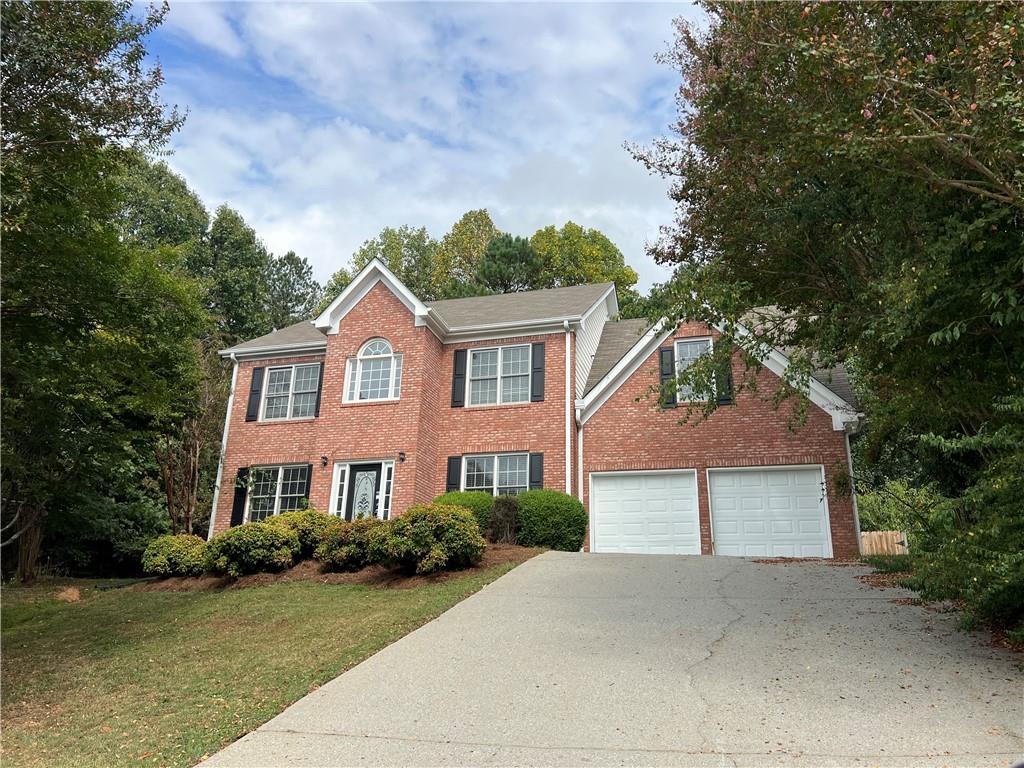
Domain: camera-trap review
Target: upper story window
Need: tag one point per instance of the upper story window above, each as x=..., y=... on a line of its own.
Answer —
x=374, y=374
x=499, y=375
x=290, y=391
x=687, y=353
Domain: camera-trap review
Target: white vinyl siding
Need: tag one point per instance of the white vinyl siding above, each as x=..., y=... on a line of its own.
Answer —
x=499, y=375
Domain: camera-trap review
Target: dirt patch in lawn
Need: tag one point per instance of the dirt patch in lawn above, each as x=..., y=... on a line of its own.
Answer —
x=311, y=570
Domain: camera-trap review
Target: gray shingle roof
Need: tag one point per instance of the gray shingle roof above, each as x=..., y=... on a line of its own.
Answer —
x=303, y=332
x=519, y=307
x=617, y=338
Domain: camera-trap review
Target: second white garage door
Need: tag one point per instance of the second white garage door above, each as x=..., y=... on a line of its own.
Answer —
x=772, y=512
x=645, y=512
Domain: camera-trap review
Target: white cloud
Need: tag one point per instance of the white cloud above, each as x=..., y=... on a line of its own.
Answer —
x=416, y=113
x=205, y=24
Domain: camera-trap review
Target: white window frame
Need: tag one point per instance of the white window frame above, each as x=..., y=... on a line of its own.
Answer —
x=501, y=354
x=497, y=457
x=354, y=374
x=339, y=487
x=291, y=391
x=277, y=490
x=680, y=397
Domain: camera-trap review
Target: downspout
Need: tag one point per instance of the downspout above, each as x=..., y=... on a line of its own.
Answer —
x=223, y=446
x=579, y=454
x=568, y=409
x=853, y=492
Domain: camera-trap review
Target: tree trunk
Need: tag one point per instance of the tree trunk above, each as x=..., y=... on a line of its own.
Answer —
x=28, y=551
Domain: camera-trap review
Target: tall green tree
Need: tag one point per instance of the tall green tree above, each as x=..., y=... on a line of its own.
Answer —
x=460, y=251
x=339, y=282
x=857, y=169
x=509, y=264
x=574, y=255
x=94, y=328
x=292, y=292
x=409, y=253
x=236, y=271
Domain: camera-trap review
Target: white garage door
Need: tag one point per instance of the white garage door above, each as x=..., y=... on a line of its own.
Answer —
x=769, y=513
x=645, y=512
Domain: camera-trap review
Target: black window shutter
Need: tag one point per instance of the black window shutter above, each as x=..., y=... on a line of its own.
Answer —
x=241, y=491
x=319, y=391
x=309, y=482
x=723, y=386
x=667, y=356
x=252, y=411
x=536, y=470
x=537, y=373
x=454, y=481
x=459, y=379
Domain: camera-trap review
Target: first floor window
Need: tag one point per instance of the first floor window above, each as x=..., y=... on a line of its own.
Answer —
x=687, y=353
x=273, y=490
x=291, y=392
x=499, y=375
x=501, y=474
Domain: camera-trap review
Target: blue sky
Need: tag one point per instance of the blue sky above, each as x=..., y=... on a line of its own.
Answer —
x=324, y=123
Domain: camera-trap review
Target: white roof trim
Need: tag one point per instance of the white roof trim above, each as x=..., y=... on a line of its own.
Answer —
x=373, y=273
x=844, y=416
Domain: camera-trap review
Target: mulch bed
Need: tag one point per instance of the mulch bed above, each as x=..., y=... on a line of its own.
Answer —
x=796, y=560
x=310, y=570
x=882, y=580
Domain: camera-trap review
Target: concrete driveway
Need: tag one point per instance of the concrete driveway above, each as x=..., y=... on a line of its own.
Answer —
x=649, y=660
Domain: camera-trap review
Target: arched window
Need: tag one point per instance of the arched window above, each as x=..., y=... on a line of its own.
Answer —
x=374, y=374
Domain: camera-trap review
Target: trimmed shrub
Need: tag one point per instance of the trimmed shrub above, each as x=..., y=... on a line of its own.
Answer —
x=551, y=519
x=311, y=527
x=504, y=520
x=477, y=502
x=346, y=546
x=253, y=548
x=181, y=555
x=429, y=538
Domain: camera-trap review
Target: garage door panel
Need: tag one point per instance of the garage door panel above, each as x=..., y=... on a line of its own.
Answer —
x=769, y=512
x=654, y=513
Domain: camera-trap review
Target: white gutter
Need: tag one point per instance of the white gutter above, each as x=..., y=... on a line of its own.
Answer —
x=568, y=409
x=307, y=348
x=223, y=447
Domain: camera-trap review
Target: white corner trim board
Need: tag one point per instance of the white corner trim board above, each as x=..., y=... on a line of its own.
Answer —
x=223, y=447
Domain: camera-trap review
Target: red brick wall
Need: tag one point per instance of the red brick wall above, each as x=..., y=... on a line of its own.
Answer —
x=626, y=434
x=421, y=423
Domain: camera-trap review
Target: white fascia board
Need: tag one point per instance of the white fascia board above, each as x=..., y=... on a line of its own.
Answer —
x=507, y=330
x=844, y=416
x=607, y=298
x=280, y=350
x=373, y=273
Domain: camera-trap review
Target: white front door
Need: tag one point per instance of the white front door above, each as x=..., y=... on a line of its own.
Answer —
x=645, y=512
x=769, y=512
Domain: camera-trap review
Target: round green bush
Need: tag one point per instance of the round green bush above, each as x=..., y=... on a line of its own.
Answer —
x=346, y=546
x=253, y=548
x=311, y=527
x=181, y=555
x=551, y=519
x=429, y=538
x=477, y=502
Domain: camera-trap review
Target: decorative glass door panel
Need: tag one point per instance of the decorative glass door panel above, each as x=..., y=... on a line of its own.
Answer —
x=363, y=491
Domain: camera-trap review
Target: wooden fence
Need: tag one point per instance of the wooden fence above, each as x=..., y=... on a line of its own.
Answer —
x=883, y=543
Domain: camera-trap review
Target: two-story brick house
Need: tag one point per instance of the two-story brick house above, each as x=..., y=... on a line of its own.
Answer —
x=384, y=401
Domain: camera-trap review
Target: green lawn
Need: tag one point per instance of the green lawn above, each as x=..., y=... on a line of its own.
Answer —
x=162, y=678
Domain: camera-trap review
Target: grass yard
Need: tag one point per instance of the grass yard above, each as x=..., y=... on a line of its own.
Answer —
x=162, y=678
